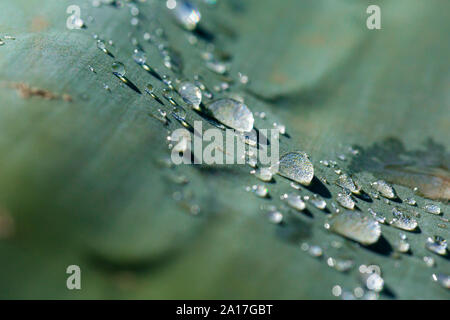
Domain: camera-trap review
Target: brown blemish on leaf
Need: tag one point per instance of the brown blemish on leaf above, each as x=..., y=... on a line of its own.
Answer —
x=26, y=92
x=38, y=24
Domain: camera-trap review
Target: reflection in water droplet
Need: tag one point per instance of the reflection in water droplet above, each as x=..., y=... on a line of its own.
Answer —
x=353, y=225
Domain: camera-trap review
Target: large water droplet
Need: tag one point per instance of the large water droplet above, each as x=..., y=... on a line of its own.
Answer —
x=353, y=225
x=232, y=113
x=297, y=167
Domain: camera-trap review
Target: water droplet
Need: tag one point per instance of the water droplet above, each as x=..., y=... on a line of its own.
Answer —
x=371, y=277
x=384, y=188
x=410, y=201
x=336, y=291
x=429, y=261
x=294, y=201
x=1, y=42
x=318, y=202
x=437, y=245
x=260, y=190
x=346, y=182
x=442, y=279
x=242, y=78
x=345, y=200
x=401, y=245
x=106, y=87
x=315, y=251
x=274, y=215
x=264, y=174
x=102, y=46
x=353, y=225
x=432, y=208
x=139, y=56
x=232, y=113
x=191, y=94
x=377, y=216
x=118, y=69
x=341, y=265
x=402, y=221
x=217, y=66
x=7, y=37
x=91, y=68
x=186, y=14
x=296, y=166
x=280, y=127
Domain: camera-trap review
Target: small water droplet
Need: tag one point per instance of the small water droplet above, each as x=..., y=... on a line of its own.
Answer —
x=294, y=201
x=432, y=208
x=371, y=277
x=429, y=261
x=442, y=279
x=280, y=127
x=341, y=265
x=377, y=216
x=102, y=46
x=437, y=245
x=264, y=174
x=410, y=201
x=118, y=68
x=345, y=200
x=217, y=66
x=139, y=57
x=384, y=188
x=346, y=182
x=186, y=14
x=191, y=94
x=260, y=190
x=318, y=202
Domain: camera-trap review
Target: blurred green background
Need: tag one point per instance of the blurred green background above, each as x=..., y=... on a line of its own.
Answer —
x=81, y=180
